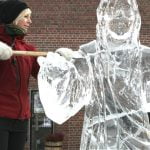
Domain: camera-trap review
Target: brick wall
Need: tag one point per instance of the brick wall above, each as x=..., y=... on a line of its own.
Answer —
x=144, y=7
x=62, y=23
x=70, y=23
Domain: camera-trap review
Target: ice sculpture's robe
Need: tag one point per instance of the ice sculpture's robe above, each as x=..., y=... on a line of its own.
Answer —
x=110, y=91
x=114, y=118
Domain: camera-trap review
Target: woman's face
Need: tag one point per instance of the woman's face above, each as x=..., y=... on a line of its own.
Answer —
x=24, y=19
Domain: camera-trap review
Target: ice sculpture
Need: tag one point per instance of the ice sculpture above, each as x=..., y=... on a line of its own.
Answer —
x=110, y=76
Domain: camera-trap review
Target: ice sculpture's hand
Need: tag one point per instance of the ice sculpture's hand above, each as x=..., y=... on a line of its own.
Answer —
x=66, y=53
x=5, y=51
x=53, y=59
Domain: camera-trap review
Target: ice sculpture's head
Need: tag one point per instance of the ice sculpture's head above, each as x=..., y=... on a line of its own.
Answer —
x=118, y=23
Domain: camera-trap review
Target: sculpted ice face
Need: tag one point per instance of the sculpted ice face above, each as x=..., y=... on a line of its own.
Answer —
x=118, y=23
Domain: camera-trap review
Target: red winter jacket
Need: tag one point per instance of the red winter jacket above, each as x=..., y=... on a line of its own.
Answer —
x=14, y=79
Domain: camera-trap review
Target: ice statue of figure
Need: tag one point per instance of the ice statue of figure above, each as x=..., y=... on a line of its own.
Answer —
x=110, y=76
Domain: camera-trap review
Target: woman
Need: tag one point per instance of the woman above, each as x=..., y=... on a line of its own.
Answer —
x=15, y=19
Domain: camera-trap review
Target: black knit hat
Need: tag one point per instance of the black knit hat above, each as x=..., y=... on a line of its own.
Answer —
x=10, y=9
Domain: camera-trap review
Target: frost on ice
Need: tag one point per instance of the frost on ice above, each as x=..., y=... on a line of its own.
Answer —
x=110, y=76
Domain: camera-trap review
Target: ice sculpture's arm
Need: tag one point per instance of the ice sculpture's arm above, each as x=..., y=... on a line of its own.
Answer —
x=64, y=86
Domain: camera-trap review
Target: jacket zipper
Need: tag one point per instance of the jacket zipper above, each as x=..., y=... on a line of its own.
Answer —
x=16, y=66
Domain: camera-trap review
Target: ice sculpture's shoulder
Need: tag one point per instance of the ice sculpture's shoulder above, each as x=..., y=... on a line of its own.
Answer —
x=145, y=50
x=88, y=47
